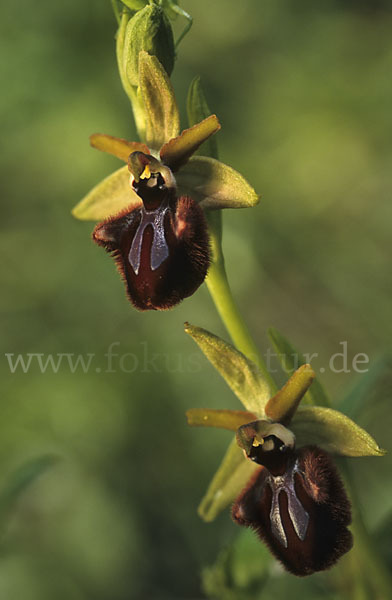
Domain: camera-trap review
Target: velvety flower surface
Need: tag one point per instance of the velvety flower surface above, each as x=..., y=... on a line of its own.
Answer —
x=297, y=504
x=279, y=471
x=161, y=248
x=151, y=210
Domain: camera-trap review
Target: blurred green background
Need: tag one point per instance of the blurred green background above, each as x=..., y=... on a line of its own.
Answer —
x=304, y=93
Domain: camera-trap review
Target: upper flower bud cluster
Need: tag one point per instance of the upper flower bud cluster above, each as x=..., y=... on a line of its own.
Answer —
x=150, y=30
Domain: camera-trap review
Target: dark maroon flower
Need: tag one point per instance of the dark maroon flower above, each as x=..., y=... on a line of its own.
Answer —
x=153, y=224
x=283, y=484
x=161, y=247
x=297, y=504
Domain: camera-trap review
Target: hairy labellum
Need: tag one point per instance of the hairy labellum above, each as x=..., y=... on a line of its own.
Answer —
x=299, y=507
x=162, y=247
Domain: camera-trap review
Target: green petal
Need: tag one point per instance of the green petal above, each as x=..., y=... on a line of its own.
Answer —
x=214, y=184
x=333, y=431
x=112, y=195
x=223, y=419
x=283, y=405
x=178, y=150
x=157, y=94
x=117, y=146
x=230, y=479
x=198, y=109
x=241, y=374
x=290, y=360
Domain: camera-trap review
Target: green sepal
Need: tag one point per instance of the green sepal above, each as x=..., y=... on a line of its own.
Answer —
x=197, y=109
x=332, y=431
x=222, y=419
x=160, y=106
x=290, y=360
x=215, y=185
x=116, y=146
x=178, y=150
x=229, y=480
x=109, y=197
x=283, y=405
x=120, y=40
x=150, y=30
x=241, y=374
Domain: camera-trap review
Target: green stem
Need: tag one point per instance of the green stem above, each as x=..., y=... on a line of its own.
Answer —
x=116, y=11
x=225, y=304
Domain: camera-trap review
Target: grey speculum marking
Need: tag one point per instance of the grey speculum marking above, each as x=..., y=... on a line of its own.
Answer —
x=298, y=515
x=159, y=248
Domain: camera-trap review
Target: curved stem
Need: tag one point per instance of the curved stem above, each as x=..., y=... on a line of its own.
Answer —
x=225, y=304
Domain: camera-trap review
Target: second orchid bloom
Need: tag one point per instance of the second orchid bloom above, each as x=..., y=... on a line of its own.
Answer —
x=152, y=210
x=279, y=471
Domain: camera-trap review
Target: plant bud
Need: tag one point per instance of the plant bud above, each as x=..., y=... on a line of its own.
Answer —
x=150, y=30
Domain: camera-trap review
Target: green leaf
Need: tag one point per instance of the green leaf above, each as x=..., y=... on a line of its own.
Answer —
x=157, y=94
x=173, y=10
x=215, y=185
x=332, y=431
x=290, y=360
x=223, y=419
x=198, y=109
x=20, y=479
x=283, y=405
x=241, y=374
x=365, y=386
x=230, y=479
x=178, y=150
x=112, y=195
x=116, y=146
